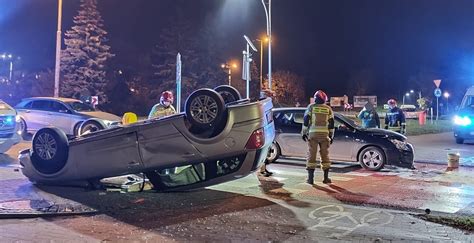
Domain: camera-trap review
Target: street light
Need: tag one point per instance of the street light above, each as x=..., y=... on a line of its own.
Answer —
x=58, y=50
x=412, y=91
x=261, y=58
x=229, y=70
x=268, y=14
x=446, y=95
x=406, y=95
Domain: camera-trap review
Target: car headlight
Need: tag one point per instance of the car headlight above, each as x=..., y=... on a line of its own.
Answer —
x=401, y=145
x=462, y=121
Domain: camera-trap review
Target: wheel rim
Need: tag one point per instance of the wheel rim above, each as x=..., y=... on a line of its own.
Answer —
x=372, y=159
x=273, y=152
x=204, y=109
x=22, y=127
x=46, y=146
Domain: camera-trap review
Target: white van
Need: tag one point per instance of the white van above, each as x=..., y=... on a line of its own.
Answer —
x=468, y=99
x=9, y=127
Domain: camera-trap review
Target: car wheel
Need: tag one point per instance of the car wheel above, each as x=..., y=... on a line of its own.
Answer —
x=228, y=93
x=50, y=150
x=89, y=127
x=459, y=140
x=204, y=109
x=273, y=153
x=23, y=129
x=372, y=158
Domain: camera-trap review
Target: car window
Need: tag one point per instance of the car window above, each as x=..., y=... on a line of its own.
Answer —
x=57, y=107
x=43, y=105
x=80, y=106
x=24, y=104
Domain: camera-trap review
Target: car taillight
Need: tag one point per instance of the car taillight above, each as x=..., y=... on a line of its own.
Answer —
x=256, y=140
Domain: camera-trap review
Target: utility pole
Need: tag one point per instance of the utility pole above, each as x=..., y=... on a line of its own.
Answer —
x=57, y=68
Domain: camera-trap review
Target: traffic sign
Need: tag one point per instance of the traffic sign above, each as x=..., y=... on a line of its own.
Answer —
x=437, y=92
x=437, y=82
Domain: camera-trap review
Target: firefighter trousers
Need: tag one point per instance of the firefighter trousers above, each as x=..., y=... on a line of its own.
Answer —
x=322, y=142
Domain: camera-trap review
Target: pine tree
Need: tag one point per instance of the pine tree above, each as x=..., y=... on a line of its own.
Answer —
x=85, y=57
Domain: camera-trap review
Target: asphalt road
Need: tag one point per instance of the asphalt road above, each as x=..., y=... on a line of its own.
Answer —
x=359, y=206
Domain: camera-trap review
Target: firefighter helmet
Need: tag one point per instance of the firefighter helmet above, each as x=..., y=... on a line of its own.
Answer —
x=392, y=102
x=166, y=96
x=320, y=97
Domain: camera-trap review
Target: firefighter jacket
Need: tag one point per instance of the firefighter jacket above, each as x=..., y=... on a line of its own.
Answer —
x=160, y=111
x=319, y=119
x=395, y=119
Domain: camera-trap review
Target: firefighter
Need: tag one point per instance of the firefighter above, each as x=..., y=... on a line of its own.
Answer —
x=164, y=108
x=395, y=118
x=318, y=131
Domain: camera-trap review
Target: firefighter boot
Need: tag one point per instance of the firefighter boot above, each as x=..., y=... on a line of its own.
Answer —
x=310, y=179
x=326, y=177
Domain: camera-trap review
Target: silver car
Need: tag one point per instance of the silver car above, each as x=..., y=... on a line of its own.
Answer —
x=217, y=139
x=9, y=127
x=63, y=113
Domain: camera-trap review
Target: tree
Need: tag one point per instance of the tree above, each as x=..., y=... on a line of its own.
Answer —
x=288, y=88
x=83, y=62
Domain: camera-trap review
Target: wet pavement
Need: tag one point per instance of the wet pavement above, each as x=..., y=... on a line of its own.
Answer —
x=434, y=148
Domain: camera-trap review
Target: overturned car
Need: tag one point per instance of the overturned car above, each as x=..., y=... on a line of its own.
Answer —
x=219, y=137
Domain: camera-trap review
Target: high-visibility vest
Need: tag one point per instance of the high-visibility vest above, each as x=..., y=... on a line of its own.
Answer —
x=319, y=115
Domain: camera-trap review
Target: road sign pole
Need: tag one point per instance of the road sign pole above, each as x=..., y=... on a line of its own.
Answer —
x=437, y=108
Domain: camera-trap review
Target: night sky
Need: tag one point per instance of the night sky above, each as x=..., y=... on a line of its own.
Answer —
x=327, y=41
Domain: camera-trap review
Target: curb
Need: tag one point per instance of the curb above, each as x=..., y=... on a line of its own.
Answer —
x=440, y=163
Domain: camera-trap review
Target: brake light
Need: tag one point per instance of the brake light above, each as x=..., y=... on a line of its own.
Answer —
x=256, y=140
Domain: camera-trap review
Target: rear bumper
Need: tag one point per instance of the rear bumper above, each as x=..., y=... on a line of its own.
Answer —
x=7, y=143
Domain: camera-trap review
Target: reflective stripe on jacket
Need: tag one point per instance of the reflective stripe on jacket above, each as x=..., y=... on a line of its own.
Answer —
x=319, y=118
x=159, y=111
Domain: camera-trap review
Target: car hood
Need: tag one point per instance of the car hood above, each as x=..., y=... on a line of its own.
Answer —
x=7, y=113
x=384, y=133
x=101, y=115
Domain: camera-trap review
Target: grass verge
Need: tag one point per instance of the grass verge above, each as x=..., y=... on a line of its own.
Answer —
x=460, y=222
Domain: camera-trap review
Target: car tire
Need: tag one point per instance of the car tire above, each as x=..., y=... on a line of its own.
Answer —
x=459, y=140
x=273, y=153
x=90, y=126
x=372, y=158
x=229, y=94
x=23, y=129
x=204, y=109
x=50, y=150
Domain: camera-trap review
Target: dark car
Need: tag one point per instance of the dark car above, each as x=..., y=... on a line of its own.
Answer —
x=372, y=148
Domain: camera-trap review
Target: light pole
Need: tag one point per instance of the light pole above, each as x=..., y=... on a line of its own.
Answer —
x=446, y=95
x=406, y=95
x=229, y=70
x=261, y=58
x=268, y=14
x=9, y=57
x=58, y=50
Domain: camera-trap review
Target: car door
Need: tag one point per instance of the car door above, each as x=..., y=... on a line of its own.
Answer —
x=289, y=132
x=38, y=116
x=61, y=117
x=343, y=144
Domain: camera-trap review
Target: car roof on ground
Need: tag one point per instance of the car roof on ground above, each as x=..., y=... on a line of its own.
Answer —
x=52, y=98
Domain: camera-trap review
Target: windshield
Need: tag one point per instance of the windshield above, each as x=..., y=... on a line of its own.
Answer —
x=79, y=106
x=4, y=106
x=351, y=122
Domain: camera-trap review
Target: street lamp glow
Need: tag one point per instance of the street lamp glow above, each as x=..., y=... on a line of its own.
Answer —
x=412, y=91
x=407, y=94
x=234, y=65
x=446, y=95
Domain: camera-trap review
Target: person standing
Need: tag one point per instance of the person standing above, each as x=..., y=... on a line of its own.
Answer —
x=395, y=118
x=164, y=108
x=369, y=117
x=318, y=132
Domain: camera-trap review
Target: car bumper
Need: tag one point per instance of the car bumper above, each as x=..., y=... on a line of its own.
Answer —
x=401, y=157
x=464, y=132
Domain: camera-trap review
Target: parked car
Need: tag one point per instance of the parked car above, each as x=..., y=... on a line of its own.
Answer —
x=212, y=142
x=372, y=148
x=409, y=111
x=64, y=113
x=464, y=118
x=9, y=127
